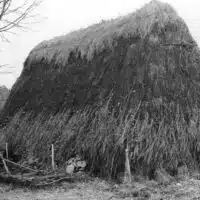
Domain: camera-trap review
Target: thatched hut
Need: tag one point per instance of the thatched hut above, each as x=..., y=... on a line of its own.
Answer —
x=134, y=79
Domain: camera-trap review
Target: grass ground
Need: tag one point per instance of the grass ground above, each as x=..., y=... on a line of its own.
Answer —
x=97, y=189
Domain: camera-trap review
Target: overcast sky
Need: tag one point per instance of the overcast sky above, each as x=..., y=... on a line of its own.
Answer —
x=62, y=16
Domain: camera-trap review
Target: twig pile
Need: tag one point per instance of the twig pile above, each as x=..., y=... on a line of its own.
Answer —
x=35, y=179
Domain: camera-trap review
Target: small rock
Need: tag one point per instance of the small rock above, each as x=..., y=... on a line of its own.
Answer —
x=70, y=169
x=75, y=164
x=31, y=161
x=81, y=164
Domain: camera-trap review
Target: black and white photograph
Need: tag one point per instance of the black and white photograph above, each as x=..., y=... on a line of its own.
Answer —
x=99, y=100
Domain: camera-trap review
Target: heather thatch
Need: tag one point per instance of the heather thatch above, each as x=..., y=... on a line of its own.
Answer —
x=98, y=37
x=135, y=79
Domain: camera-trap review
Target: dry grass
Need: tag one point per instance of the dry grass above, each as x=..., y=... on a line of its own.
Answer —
x=97, y=135
x=98, y=189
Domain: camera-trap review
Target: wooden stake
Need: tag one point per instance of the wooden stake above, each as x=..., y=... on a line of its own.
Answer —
x=21, y=166
x=52, y=157
x=6, y=150
x=127, y=166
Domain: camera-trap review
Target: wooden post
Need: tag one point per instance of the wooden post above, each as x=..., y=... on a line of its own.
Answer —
x=127, y=177
x=6, y=150
x=52, y=157
x=127, y=174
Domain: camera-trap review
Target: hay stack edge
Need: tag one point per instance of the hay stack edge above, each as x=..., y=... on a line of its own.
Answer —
x=133, y=80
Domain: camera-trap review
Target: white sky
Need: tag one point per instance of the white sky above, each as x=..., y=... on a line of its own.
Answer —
x=62, y=16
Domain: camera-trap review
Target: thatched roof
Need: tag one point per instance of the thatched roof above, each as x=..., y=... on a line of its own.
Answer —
x=100, y=36
x=141, y=51
x=86, y=65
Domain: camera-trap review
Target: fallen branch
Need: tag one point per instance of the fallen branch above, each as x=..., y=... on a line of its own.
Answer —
x=4, y=164
x=51, y=176
x=22, y=166
x=68, y=179
x=34, y=182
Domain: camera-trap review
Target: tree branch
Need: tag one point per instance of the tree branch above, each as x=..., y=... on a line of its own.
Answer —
x=15, y=16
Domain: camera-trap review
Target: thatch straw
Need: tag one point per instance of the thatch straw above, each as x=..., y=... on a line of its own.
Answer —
x=100, y=36
x=97, y=137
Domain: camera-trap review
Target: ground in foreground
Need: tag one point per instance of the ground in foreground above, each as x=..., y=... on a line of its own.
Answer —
x=97, y=189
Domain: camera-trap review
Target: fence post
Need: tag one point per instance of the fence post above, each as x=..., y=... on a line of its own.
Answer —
x=6, y=150
x=128, y=176
x=52, y=157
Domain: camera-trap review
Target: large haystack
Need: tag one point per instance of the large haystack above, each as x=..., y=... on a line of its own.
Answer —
x=135, y=79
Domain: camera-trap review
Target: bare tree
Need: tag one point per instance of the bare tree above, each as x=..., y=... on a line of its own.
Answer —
x=16, y=14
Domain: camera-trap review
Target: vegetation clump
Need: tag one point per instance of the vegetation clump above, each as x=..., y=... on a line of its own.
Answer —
x=4, y=92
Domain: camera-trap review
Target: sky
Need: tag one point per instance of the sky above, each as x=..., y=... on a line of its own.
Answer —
x=64, y=16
